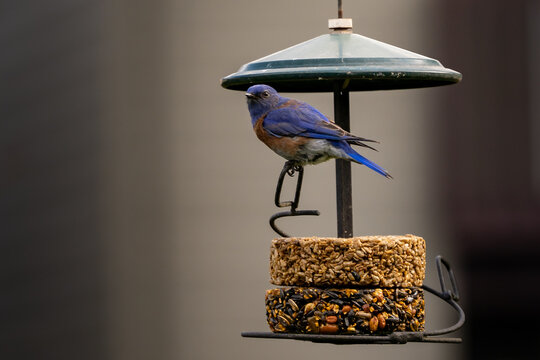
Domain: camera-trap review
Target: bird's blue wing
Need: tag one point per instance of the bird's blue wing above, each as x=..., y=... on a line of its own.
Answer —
x=295, y=118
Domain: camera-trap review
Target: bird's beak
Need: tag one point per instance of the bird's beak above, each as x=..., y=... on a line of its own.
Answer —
x=250, y=96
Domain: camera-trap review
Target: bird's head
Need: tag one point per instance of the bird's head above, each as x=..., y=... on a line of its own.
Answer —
x=261, y=99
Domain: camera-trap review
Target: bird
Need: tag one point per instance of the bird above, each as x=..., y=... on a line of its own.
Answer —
x=300, y=133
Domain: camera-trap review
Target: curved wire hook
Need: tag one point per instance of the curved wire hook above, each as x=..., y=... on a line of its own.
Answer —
x=290, y=168
x=451, y=296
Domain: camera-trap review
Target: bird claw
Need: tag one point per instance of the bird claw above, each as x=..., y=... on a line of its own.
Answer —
x=292, y=167
x=291, y=171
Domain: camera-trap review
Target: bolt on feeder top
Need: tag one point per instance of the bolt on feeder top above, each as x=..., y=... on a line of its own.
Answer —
x=360, y=63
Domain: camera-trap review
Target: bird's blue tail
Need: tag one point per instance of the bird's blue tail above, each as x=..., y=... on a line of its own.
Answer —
x=356, y=157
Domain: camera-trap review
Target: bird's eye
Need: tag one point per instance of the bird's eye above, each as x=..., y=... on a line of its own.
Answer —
x=265, y=93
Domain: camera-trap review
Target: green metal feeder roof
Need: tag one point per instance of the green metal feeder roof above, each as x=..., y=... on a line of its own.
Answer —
x=354, y=61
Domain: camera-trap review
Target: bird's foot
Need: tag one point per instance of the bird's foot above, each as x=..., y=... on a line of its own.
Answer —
x=292, y=167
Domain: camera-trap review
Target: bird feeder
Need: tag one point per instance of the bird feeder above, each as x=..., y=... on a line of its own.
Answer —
x=341, y=62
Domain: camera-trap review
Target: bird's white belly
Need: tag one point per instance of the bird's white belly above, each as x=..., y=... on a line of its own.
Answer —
x=315, y=151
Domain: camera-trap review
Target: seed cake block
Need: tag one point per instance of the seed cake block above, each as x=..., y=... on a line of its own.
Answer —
x=372, y=311
x=375, y=261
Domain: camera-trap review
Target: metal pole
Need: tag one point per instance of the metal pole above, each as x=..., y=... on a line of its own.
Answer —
x=343, y=168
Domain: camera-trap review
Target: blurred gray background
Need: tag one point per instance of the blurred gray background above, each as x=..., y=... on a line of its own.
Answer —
x=135, y=195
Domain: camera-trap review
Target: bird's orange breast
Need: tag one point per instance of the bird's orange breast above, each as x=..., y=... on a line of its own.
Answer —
x=284, y=146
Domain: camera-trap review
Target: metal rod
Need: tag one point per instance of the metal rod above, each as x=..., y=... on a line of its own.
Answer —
x=393, y=338
x=343, y=168
x=340, y=10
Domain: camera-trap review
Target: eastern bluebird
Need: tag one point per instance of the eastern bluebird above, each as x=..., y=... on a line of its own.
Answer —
x=299, y=132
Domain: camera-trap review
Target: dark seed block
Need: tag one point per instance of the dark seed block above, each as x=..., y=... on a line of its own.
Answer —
x=345, y=311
